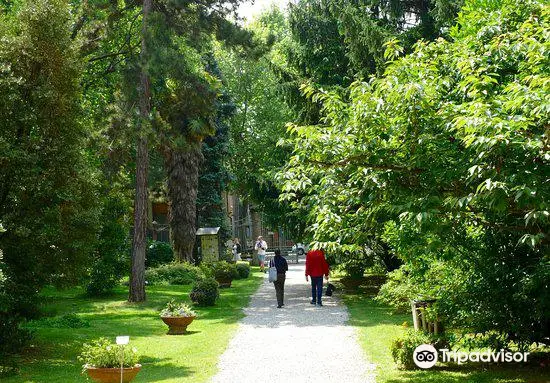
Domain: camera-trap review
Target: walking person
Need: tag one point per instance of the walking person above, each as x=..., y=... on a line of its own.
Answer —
x=237, y=250
x=261, y=247
x=281, y=265
x=316, y=267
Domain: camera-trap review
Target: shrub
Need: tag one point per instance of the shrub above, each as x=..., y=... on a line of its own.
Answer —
x=243, y=269
x=354, y=265
x=102, y=353
x=175, y=273
x=158, y=253
x=111, y=255
x=402, y=348
x=205, y=292
x=398, y=291
x=12, y=337
x=223, y=271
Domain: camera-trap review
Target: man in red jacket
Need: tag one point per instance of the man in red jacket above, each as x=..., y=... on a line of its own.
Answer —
x=316, y=267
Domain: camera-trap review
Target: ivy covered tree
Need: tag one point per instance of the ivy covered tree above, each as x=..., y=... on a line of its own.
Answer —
x=446, y=158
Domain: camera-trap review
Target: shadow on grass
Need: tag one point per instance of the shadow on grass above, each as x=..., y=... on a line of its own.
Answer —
x=52, y=357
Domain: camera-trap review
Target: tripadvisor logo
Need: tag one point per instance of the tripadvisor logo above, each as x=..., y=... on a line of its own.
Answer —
x=426, y=356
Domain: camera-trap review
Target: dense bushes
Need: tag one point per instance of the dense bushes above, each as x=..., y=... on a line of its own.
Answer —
x=243, y=269
x=205, y=292
x=398, y=291
x=158, y=253
x=221, y=270
x=175, y=273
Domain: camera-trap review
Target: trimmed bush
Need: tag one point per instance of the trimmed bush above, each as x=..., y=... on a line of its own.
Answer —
x=205, y=292
x=174, y=273
x=222, y=271
x=158, y=253
x=243, y=269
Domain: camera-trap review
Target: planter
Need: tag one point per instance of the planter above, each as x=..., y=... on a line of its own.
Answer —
x=112, y=375
x=224, y=283
x=177, y=325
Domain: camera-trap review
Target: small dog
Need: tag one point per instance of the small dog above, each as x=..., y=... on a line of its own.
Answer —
x=330, y=289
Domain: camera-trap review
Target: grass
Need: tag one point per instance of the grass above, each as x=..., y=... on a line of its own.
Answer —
x=187, y=358
x=377, y=328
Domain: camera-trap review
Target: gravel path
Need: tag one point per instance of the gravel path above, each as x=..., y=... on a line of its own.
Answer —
x=298, y=343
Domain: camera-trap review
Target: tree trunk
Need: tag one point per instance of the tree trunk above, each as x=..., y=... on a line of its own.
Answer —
x=183, y=177
x=137, y=277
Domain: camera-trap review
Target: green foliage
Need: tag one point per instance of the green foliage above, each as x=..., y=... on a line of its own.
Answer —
x=258, y=121
x=398, y=291
x=111, y=256
x=402, y=348
x=158, y=253
x=70, y=320
x=102, y=353
x=214, y=174
x=176, y=273
x=12, y=337
x=221, y=270
x=174, y=309
x=445, y=159
x=354, y=264
x=205, y=292
x=243, y=269
x=48, y=182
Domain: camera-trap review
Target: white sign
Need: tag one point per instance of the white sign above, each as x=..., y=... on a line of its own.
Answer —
x=122, y=339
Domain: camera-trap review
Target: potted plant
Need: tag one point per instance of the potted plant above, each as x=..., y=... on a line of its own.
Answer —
x=102, y=361
x=177, y=317
x=224, y=273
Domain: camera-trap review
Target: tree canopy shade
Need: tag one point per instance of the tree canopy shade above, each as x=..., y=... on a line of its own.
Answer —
x=447, y=156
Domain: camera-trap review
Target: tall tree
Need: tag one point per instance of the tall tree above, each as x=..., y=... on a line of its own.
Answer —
x=185, y=101
x=446, y=158
x=48, y=185
x=141, y=201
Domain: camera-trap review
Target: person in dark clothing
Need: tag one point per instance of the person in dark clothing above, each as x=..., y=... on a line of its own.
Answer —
x=282, y=267
x=316, y=267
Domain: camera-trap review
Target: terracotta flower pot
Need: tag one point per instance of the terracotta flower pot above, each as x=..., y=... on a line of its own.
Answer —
x=224, y=282
x=177, y=325
x=112, y=375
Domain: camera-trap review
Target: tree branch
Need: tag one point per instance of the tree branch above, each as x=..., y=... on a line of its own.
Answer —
x=359, y=161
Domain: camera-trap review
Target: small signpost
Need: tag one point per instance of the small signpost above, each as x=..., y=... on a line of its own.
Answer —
x=122, y=341
x=210, y=243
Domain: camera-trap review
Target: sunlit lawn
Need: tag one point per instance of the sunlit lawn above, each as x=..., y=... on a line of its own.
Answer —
x=378, y=327
x=165, y=358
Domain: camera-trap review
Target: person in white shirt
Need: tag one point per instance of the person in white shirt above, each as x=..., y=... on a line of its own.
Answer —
x=237, y=250
x=261, y=247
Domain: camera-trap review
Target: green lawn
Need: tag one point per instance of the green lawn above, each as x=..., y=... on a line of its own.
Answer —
x=165, y=358
x=378, y=327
